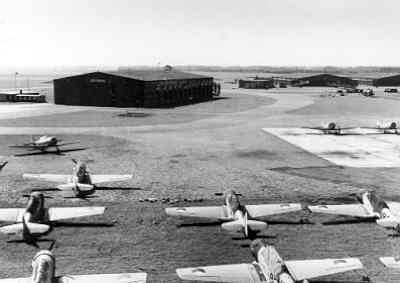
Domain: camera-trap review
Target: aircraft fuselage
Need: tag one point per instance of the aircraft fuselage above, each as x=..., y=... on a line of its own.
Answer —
x=43, y=267
x=43, y=142
x=269, y=265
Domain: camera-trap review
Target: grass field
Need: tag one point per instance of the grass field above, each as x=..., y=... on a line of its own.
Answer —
x=218, y=147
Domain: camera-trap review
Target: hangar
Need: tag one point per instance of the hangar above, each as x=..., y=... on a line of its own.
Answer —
x=133, y=88
x=325, y=80
x=387, y=81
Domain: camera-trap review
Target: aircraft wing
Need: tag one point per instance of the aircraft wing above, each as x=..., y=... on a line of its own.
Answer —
x=394, y=207
x=97, y=179
x=390, y=262
x=48, y=177
x=11, y=214
x=213, y=212
x=58, y=213
x=308, y=269
x=271, y=209
x=233, y=273
x=356, y=210
x=313, y=128
x=16, y=280
x=103, y=278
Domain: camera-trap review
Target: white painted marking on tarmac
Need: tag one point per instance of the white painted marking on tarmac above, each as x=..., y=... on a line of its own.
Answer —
x=365, y=149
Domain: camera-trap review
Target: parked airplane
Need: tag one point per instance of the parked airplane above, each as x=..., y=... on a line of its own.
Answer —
x=330, y=128
x=239, y=217
x=43, y=143
x=270, y=267
x=387, y=127
x=35, y=220
x=44, y=271
x=81, y=183
x=371, y=207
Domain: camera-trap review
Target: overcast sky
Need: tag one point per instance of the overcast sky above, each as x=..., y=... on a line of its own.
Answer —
x=207, y=32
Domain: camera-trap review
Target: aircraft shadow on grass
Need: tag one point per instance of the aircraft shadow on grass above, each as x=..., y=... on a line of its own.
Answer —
x=60, y=152
x=200, y=224
x=33, y=243
x=349, y=221
x=118, y=188
x=89, y=196
x=83, y=224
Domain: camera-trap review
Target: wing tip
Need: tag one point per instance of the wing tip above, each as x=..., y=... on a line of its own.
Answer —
x=390, y=261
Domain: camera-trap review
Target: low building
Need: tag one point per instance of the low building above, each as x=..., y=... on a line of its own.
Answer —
x=133, y=88
x=256, y=83
x=326, y=80
x=21, y=96
x=387, y=81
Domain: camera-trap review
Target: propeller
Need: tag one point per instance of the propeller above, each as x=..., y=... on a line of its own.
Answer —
x=52, y=245
x=3, y=164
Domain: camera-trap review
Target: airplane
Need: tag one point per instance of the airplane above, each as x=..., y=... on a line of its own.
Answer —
x=370, y=207
x=237, y=217
x=269, y=267
x=42, y=143
x=81, y=182
x=387, y=127
x=36, y=220
x=44, y=271
x=330, y=128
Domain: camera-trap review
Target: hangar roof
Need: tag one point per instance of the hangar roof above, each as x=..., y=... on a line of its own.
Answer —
x=148, y=75
x=158, y=75
x=323, y=75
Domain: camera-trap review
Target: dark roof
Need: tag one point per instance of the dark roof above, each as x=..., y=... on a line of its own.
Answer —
x=158, y=75
x=148, y=75
x=323, y=76
x=389, y=77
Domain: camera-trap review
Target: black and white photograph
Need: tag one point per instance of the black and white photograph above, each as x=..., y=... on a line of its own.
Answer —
x=199, y=141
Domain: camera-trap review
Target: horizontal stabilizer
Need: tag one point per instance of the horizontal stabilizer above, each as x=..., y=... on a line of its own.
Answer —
x=233, y=226
x=238, y=226
x=70, y=186
x=17, y=229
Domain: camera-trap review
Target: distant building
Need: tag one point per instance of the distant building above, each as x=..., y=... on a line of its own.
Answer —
x=387, y=81
x=325, y=80
x=133, y=88
x=256, y=83
x=27, y=96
